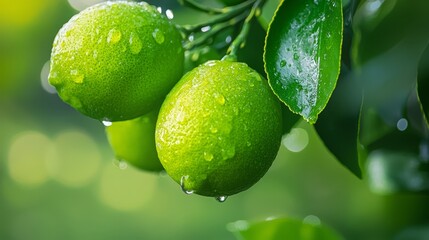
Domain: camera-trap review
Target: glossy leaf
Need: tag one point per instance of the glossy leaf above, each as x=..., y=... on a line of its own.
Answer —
x=423, y=84
x=284, y=228
x=302, y=54
x=338, y=124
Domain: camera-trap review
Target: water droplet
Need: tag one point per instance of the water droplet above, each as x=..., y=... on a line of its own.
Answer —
x=76, y=76
x=228, y=39
x=135, y=43
x=208, y=156
x=219, y=98
x=183, y=179
x=159, y=9
x=213, y=129
x=221, y=198
x=169, y=14
x=402, y=124
x=295, y=56
x=243, y=44
x=106, y=123
x=230, y=152
x=121, y=164
x=75, y=102
x=114, y=36
x=282, y=63
x=205, y=29
x=210, y=63
x=158, y=36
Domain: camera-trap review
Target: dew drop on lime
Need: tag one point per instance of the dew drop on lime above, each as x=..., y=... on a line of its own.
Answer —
x=208, y=156
x=135, y=43
x=183, y=180
x=282, y=63
x=106, y=123
x=213, y=129
x=158, y=36
x=219, y=98
x=114, y=36
x=75, y=102
x=76, y=76
x=221, y=198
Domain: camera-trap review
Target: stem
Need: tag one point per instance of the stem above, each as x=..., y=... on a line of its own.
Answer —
x=214, y=31
x=241, y=38
x=223, y=15
x=200, y=7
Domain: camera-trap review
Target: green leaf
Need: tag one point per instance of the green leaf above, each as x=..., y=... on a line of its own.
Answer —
x=338, y=124
x=284, y=228
x=395, y=171
x=423, y=84
x=302, y=54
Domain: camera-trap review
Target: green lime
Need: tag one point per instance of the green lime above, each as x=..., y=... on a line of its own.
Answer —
x=134, y=141
x=115, y=60
x=219, y=129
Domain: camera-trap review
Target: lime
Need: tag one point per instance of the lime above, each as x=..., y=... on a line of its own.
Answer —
x=219, y=129
x=115, y=60
x=134, y=141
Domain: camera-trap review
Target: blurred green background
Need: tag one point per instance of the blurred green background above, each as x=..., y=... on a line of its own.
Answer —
x=59, y=178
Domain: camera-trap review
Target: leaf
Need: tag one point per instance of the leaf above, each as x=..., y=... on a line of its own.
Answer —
x=396, y=171
x=338, y=124
x=423, y=84
x=398, y=159
x=283, y=228
x=302, y=54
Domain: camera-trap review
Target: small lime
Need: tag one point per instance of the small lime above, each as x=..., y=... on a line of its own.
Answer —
x=134, y=141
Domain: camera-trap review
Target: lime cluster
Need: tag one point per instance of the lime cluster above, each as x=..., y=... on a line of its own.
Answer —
x=219, y=127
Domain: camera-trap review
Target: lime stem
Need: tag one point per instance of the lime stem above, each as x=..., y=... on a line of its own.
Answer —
x=223, y=15
x=214, y=31
x=200, y=7
x=240, y=40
